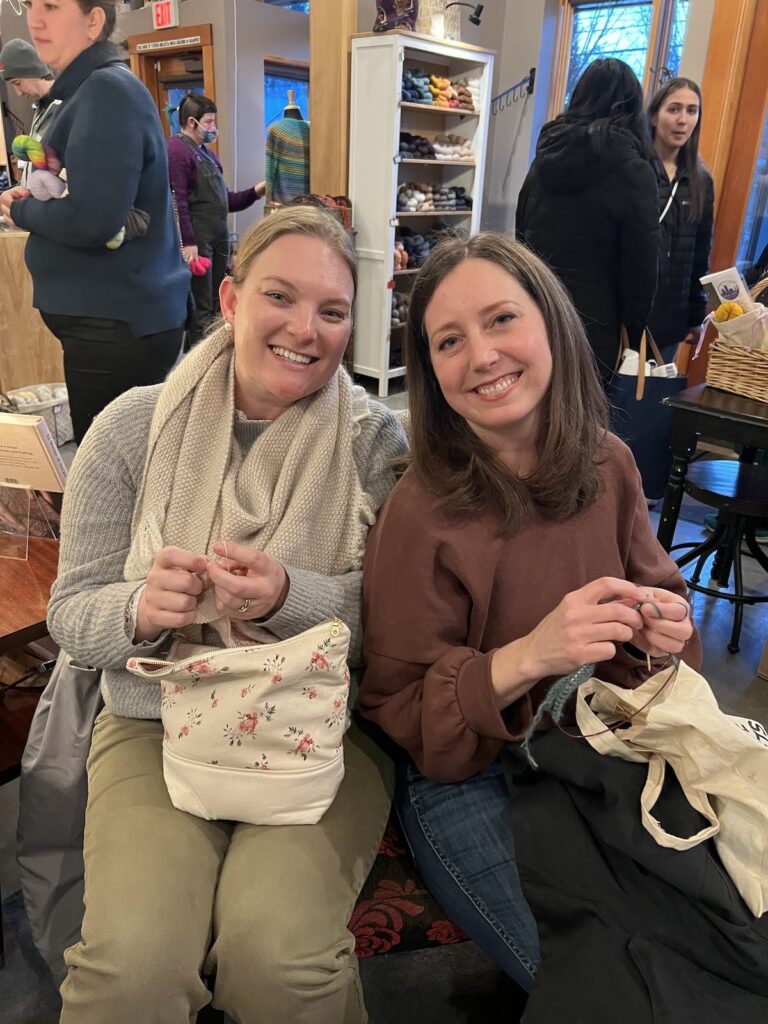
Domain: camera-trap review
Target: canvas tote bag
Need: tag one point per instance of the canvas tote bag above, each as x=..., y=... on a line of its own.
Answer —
x=255, y=733
x=720, y=761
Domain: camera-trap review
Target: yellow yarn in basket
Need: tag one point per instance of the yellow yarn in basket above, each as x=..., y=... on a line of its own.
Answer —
x=727, y=311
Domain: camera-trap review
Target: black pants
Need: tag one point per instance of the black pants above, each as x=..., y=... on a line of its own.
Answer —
x=205, y=290
x=102, y=359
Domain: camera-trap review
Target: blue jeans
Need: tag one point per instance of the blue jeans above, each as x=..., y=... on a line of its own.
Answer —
x=460, y=835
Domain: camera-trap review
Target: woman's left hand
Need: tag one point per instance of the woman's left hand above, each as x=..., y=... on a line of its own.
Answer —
x=8, y=197
x=668, y=634
x=247, y=583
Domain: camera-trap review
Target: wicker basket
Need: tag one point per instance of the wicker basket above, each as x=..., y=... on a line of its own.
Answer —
x=743, y=371
x=38, y=400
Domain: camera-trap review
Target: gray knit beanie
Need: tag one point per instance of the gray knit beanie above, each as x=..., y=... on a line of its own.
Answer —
x=19, y=59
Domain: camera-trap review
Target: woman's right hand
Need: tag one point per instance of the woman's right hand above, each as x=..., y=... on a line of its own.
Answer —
x=169, y=599
x=190, y=253
x=584, y=628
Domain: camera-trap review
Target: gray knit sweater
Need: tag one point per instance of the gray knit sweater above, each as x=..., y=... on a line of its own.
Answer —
x=90, y=614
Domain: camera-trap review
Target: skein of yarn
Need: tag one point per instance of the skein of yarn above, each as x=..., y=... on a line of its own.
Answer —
x=200, y=266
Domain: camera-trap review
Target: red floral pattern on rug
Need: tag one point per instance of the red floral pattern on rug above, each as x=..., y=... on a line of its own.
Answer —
x=395, y=911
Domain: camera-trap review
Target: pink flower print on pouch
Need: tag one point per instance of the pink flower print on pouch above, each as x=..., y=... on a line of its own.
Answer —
x=247, y=725
x=318, y=661
x=198, y=668
x=194, y=717
x=304, y=745
x=275, y=667
x=310, y=692
x=214, y=699
x=337, y=712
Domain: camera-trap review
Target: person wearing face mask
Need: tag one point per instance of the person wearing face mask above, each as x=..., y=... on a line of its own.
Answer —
x=118, y=313
x=21, y=67
x=686, y=214
x=203, y=202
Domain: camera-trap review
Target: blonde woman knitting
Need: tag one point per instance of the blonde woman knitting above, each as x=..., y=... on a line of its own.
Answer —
x=259, y=441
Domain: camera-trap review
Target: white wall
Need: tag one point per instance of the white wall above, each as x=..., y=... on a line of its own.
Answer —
x=696, y=42
x=513, y=129
x=260, y=31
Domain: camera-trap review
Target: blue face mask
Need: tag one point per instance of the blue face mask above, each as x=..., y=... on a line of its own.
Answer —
x=209, y=134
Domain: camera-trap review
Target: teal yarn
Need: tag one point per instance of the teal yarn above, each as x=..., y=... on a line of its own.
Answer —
x=554, y=703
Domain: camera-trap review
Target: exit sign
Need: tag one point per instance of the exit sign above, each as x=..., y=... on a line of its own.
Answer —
x=165, y=13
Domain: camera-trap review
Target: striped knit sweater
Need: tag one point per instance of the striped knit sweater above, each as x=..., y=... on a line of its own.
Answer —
x=287, y=170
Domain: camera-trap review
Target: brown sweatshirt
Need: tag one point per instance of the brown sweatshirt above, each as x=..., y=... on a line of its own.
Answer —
x=439, y=597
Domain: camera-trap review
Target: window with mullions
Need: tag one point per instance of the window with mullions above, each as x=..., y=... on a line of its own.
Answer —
x=646, y=34
x=679, y=23
x=620, y=29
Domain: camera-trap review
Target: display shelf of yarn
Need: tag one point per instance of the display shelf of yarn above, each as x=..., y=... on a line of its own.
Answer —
x=426, y=149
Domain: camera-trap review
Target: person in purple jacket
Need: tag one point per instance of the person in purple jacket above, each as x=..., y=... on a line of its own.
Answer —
x=203, y=202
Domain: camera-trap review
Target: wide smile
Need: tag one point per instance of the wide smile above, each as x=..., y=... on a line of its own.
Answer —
x=291, y=358
x=493, y=390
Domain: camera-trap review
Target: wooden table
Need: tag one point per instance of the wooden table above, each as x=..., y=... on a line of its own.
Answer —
x=25, y=588
x=706, y=412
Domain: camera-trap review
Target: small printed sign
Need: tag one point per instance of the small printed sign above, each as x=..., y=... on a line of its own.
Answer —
x=165, y=14
x=169, y=44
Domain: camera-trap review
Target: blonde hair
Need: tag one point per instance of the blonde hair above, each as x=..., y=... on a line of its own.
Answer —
x=295, y=220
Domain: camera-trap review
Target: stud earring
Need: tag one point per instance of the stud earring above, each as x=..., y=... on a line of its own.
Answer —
x=228, y=326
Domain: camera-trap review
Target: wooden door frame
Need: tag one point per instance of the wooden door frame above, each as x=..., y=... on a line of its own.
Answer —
x=735, y=99
x=144, y=50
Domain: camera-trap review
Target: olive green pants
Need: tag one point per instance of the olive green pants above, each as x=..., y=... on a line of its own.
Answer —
x=261, y=911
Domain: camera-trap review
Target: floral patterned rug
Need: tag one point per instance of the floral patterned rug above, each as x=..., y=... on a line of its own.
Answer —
x=395, y=911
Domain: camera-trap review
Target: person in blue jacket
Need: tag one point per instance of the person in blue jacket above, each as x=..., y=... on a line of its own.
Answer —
x=118, y=312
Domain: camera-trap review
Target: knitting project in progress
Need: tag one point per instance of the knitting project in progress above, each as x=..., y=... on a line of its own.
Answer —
x=561, y=692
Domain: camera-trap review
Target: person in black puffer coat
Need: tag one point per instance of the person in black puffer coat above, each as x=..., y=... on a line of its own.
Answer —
x=686, y=206
x=589, y=206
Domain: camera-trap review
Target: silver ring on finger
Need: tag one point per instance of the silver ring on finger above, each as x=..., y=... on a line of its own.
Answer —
x=245, y=605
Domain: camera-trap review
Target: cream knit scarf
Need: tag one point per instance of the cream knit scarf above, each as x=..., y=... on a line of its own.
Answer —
x=295, y=494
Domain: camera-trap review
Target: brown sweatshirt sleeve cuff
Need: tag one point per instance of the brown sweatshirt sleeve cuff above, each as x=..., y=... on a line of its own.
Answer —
x=477, y=701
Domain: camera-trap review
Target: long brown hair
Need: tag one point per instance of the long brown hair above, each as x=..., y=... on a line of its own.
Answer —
x=688, y=161
x=454, y=462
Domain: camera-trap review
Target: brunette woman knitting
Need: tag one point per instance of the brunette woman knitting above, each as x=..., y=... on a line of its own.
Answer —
x=514, y=550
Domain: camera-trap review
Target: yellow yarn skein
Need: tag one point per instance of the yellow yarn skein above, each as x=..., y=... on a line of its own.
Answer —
x=727, y=311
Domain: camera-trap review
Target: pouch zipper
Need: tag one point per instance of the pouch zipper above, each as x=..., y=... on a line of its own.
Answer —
x=334, y=625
